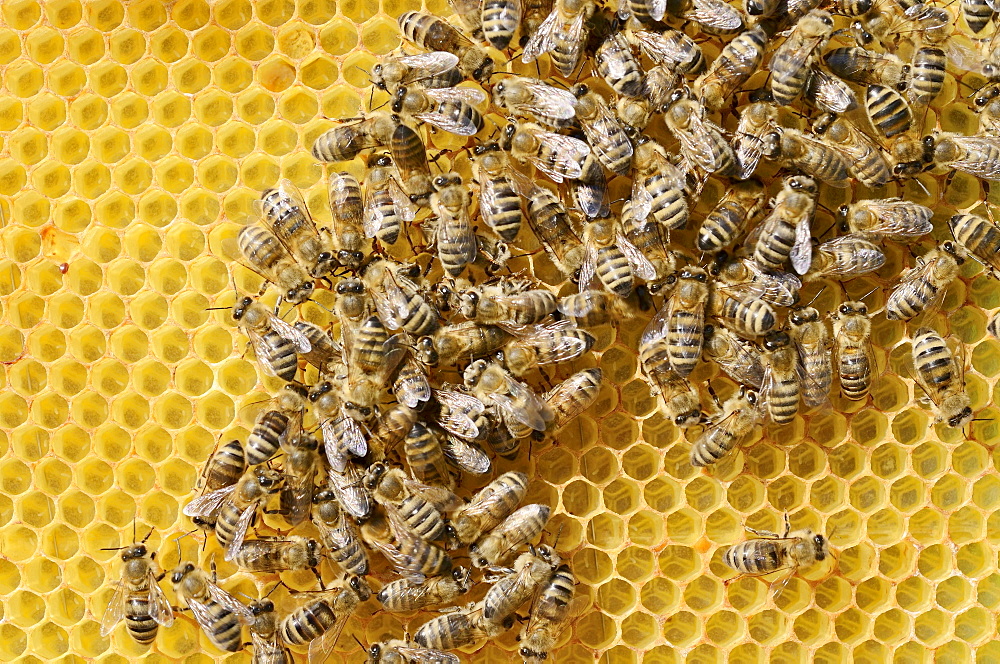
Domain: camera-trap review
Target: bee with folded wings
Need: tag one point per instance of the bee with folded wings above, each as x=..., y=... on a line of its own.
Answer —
x=284, y=210
x=740, y=415
x=771, y=553
x=320, y=620
x=138, y=597
x=560, y=157
x=387, y=208
x=450, y=109
x=702, y=142
x=220, y=615
x=613, y=259
x=562, y=35
x=517, y=403
x=681, y=321
x=274, y=341
x=437, y=69
x=786, y=232
x=548, y=105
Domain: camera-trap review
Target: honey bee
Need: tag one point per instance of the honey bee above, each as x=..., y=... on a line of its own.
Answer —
x=729, y=218
x=744, y=278
x=615, y=63
x=573, y=396
x=562, y=35
x=499, y=545
x=927, y=74
x=500, y=19
x=739, y=417
x=418, y=504
x=273, y=555
x=978, y=14
x=301, y=464
x=657, y=187
x=521, y=95
x=451, y=109
x=551, y=224
x=702, y=142
x=396, y=651
x=785, y=233
x=138, y=597
x=864, y=158
x=865, y=67
x=887, y=110
x=425, y=457
x=845, y=257
x=344, y=142
x=604, y=132
x=494, y=305
x=493, y=385
x=455, y=239
x=613, y=259
x=713, y=16
x=634, y=114
x=409, y=595
x=225, y=467
x=469, y=15
x=549, y=616
x=680, y=400
x=342, y=435
x=452, y=343
x=852, y=330
x=266, y=255
x=671, y=48
x=220, y=615
x=410, y=155
x=774, y=553
x=267, y=645
x=435, y=34
x=790, y=64
x=812, y=340
x=387, y=207
x=438, y=69
x=682, y=321
x=531, y=569
x=560, y=157
x=757, y=121
x=737, y=62
x=942, y=377
x=487, y=509
x=408, y=553
x=353, y=302
x=922, y=287
x=743, y=310
x=740, y=359
x=829, y=94
x=323, y=352
x=459, y=628
x=801, y=151
x=546, y=343
x=319, y=621
x=398, y=301
x=782, y=384
x=590, y=308
x=534, y=13
x=975, y=155
x=372, y=356
x=274, y=341
x=284, y=211
x=979, y=236
x=499, y=201
x=347, y=211
x=338, y=534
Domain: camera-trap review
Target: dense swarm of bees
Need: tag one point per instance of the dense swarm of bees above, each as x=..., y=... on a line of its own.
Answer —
x=430, y=311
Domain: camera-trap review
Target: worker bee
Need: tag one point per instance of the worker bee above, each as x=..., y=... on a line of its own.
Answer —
x=746, y=279
x=284, y=211
x=347, y=211
x=790, y=64
x=488, y=508
x=398, y=301
x=727, y=221
x=740, y=359
x=887, y=110
x=590, y=308
x=342, y=435
x=845, y=257
x=605, y=134
x=613, y=259
x=737, y=62
x=324, y=351
x=804, y=152
x=451, y=109
x=225, y=467
x=452, y=343
x=408, y=553
x=975, y=155
x=785, y=233
x=438, y=69
x=773, y=553
x=455, y=239
x=425, y=457
x=671, y=48
x=418, y=504
x=942, y=377
x=300, y=466
x=387, y=207
x=273, y=555
x=499, y=201
x=680, y=400
x=265, y=254
x=499, y=545
x=138, y=597
x=681, y=322
x=979, y=236
x=852, y=330
x=739, y=417
x=396, y=651
x=978, y=14
x=573, y=396
x=864, y=158
x=615, y=63
x=520, y=95
x=274, y=341
x=339, y=534
x=220, y=615
x=459, y=628
x=410, y=595
x=267, y=644
x=562, y=35
x=551, y=224
x=494, y=305
x=493, y=385
x=411, y=386
x=280, y=420
x=436, y=34
x=319, y=621
x=828, y=93
x=235, y=507
x=713, y=16
x=657, y=187
x=515, y=587
x=743, y=309
x=812, y=341
x=410, y=155
x=702, y=142
x=546, y=343
x=500, y=19
x=634, y=114
x=782, y=383
x=371, y=356
x=344, y=142
x=865, y=67
x=548, y=617
x=986, y=102
x=922, y=287
x=560, y=157
x=927, y=74
x=757, y=121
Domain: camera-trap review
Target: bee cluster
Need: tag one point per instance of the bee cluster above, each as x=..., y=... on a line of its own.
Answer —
x=434, y=367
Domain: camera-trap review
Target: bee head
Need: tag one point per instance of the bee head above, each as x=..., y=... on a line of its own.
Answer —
x=374, y=474
x=804, y=315
x=300, y=293
x=320, y=390
x=375, y=652
x=776, y=340
x=359, y=586
x=137, y=551
x=324, y=496
x=959, y=420
x=241, y=307
x=751, y=397
x=821, y=546
x=692, y=415
x=261, y=606
x=579, y=90
x=350, y=286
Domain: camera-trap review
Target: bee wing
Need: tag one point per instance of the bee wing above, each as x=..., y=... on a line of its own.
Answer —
x=659, y=48
x=641, y=203
x=580, y=304
x=569, y=154
x=417, y=655
x=908, y=288
x=830, y=93
x=426, y=65
x=523, y=405
x=461, y=126
x=543, y=40
x=793, y=54
x=801, y=253
x=353, y=438
x=261, y=351
x=320, y=649
x=986, y=169
x=900, y=218
x=209, y=504
x=331, y=444
x=229, y=602
x=599, y=133
x=240, y=532
x=851, y=256
x=745, y=368
x=290, y=332
x=659, y=325
x=264, y=645
x=456, y=421
x=965, y=58
x=697, y=142
x=159, y=606
x=780, y=288
x=641, y=266
x=465, y=455
x=566, y=347
x=201, y=613
x=438, y=496
x=116, y=610
x=350, y=493
x=748, y=147
x=473, y=96
x=614, y=64
x=714, y=14
x=372, y=216
x=588, y=268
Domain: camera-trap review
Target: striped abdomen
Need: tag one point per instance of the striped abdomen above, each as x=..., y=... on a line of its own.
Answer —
x=887, y=110
x=614, y=271
x=503, y=215
x=721, y=227
x=749, y=318
x=425, y=457
x=978, y=14
x=224, y=629
x=685, y=336
x=855, y=373
x=669, y=207
x=307, y=623
x=279, y=355
x=456, y=244
x=140, y=625
x=932, y=360
x=265, y=438
x=927, y=74
x=787, y=82
x=422, y=517
x=910, y=299
x=431, y=32
x=500, y=20
x=979, y=236
x=226, y=522
x=260, y=247
x=775, y=243
x=755, y=557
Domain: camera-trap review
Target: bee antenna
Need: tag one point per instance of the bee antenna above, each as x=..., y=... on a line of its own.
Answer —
x=560, y=83
x=355, y=637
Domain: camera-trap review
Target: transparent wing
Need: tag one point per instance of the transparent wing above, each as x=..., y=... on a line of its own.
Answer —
x=523, y=405
x=240, y=532
x=264, y=645
x=473, y=96
x=290, y=332
x=830, y=93
x=320, y=649
x=801, y=253
x=601, y=132
x=987, y=169
x=201, y=613
x=352, y=437
x=659, y=48
x=900, y=218
x=581, y=303
x=405, y=208
x=229, y=602
x=793, y=54
x=851, y=256
x=715, y=14
x=588, y=268
x=571, y=34
x=372, y=217
x=698, y=143
x=350, y=493
x=565, y=347
x=543, y=40
x=458, y=411
x=781, y=288
x=641, y=203
x=909, y=289
x=569, y=154
x=447, y=120
x=613, y=64
x=261, y=351
x=749, y=147
x=331, y=444
x=465, y=455
x=641, y=266
x=115, y=611
x=208, y=504
x=426, y=65
x=159, y=606
x=417, y=655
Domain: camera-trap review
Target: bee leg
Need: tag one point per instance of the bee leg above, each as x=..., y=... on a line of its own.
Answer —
x=763, y=533
x=788, y=525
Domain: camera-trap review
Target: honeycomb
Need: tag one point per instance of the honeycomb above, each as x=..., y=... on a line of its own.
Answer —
x=131, y=133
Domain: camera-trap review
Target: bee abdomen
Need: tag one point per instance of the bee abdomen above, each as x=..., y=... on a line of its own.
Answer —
x=280, y=356
x=614, y=271
x=720, y=227
x=259, y=246
x=755, y=557
x=888, y=111
x=226, y=631
x=927, y=74
x=712, y=447
x=772, y=250
x=500, y=21
x=783, y=400
x=787, y=83
x=225, y=525
x=422, y=518
x=854, y=375
x=904, y=304
x=685, y=337
x=307, y=623
x=264, y=440
x=669, y=206
x=140, y=625
x=978, y=14
x=978, y=236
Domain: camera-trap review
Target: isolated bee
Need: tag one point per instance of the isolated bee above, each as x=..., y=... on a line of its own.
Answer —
x=418, y=504
x=782, y=384
x=345, y=141
x=452, y=343
x=273, y=555
x=220, y=615
x=866, y=67
x=801, y=151
x=319, y=621
x=573, y=396
x=435, y=34
x=396, y=651
x=812, y=340
x=339, y=534
x=548, y=617
x=828, y=93
x=845, y=257
x=425, y=457
x=852, y=330
x=347, y=212
x=922, y=287
x=606, y=136
x=274, y=341
x=757, y=121
x=736, y=63
x=494, y=305
x=551, y=224
x=975, y=155
x=451, y=109
x=511, y=590
x=942, y=377
x=739, y=417
x=411, y=595
x=499, y=200
x=225, y=467
x=671, y=48
x=267, y=645
x=702, y=142
x=410, y=156
x=741, y=360
x=459, y=628
x=772, y=553
x=657, y=187
x=727, y=221
x=979, y=236
x=790, y=64
x=562, y=35
x=615, y=63
x=284, y=211
x=266, y=255
x=408, y=553
x=545, y=343
x=680, y=400
x=138, y=597
x=864, y=158
x=500, y=544
x=300, y=466
x=387, y=207
x=785, y=233
x=438, y=69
